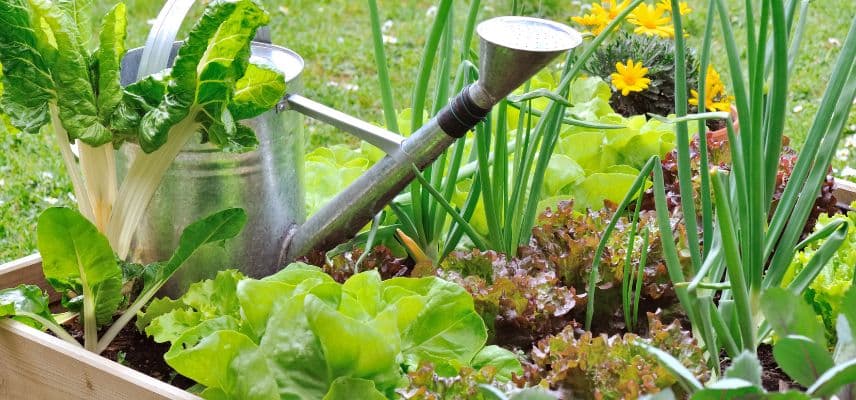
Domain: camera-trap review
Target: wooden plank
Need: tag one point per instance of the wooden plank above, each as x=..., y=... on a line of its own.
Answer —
x=35, y=365
x=27, y=270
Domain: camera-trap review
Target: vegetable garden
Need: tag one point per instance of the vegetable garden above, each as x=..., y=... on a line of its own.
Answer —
x=608, y=210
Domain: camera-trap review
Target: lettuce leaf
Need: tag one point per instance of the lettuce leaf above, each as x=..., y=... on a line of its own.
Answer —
x=312, y=337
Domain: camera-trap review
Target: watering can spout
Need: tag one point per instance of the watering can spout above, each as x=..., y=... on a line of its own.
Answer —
x=512, y=50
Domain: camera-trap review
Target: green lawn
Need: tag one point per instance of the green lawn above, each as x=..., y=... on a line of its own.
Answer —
x=333, y=36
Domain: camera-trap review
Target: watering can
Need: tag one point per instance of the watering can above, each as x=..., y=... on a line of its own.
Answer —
x=268, y=182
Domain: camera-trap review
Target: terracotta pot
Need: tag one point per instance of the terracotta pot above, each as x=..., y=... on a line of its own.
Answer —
x=722, y=134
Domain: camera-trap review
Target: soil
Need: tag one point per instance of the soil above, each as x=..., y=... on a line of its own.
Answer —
x=772, y=377
x=714, y=125
x=137, y=351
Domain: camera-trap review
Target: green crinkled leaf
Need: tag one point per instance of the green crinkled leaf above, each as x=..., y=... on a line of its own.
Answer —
x=208, y=65
x=25, y=299
x=788, y=314
x=220, y=358
x=597, y=187
x=156, y=308
x=28, y=85
x=79, y=11
x=77, y=258
x=802, y=359
x=448, y=328
x=562, y=171
x=310, y=331
x=346, y=388
x=170, y=326
x=374, y=355
x=585, y=89
x=259, y=90
x=109, y=56
x=75, y=97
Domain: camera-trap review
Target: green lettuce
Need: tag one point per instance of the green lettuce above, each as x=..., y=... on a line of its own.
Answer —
x=826, y=293
x=298, y=334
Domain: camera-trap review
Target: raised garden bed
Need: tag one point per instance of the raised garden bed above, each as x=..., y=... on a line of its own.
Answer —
x=40, y=366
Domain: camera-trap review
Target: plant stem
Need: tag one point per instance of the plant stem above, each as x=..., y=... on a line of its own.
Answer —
x=83, y=203
x=98, y=165
x=141, y=183
x=56, y=329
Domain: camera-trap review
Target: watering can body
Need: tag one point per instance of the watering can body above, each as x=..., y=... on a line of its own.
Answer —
x=268, y=182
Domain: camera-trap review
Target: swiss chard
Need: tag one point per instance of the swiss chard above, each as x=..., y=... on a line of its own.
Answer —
x=79, y=264
x=51, y=77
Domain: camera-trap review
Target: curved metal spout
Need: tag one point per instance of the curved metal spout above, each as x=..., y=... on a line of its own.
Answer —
x=512, y=50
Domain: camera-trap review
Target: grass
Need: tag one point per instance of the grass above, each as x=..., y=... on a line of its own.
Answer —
x=334, y=38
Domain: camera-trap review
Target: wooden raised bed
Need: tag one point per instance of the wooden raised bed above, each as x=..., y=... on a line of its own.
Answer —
x=36, y=365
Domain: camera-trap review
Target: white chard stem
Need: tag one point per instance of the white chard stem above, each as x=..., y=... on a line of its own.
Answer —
x=99, y=169
x=83, y=203
x=141, y=183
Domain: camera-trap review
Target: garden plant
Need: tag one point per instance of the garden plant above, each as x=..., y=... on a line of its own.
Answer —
x=608, y=230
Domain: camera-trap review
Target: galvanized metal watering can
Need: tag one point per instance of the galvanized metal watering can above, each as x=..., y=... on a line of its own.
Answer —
x=268, y=182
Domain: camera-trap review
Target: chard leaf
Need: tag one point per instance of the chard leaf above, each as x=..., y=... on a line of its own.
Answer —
x=214, y=228
x=77, y=258
x=78, y=11
x=109, y=56
x=78, y=110
x=28, y=86
x=259, y=90
x=24, y=301
x=203, y=78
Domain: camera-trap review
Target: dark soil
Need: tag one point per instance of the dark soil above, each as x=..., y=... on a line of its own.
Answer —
x=772, y=377
x=137, y=351
x=715, y=124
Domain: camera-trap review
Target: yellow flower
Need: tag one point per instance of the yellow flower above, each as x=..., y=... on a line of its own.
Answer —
x=649, y=20
x=601, y=16
x=715, y=97
x=612, y=10
x=630, y=78
x=596, y=22
x=666, y=5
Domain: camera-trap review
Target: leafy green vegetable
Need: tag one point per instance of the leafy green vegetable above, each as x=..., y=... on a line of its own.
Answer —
x=311, y=337
x=78, y=262
x=826, y=292
x=51, y=76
